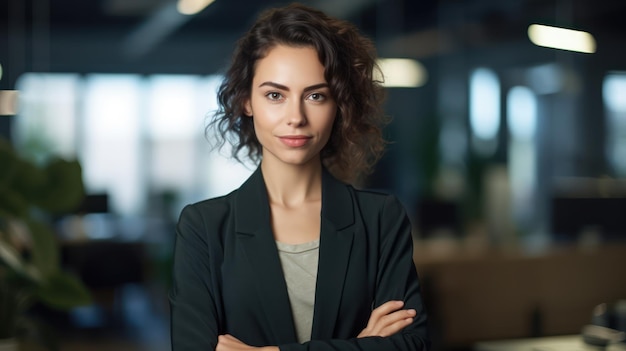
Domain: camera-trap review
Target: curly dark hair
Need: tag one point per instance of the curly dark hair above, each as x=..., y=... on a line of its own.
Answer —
x=349, y=59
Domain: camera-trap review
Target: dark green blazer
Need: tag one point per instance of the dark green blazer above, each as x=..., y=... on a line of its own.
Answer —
x=227, y=276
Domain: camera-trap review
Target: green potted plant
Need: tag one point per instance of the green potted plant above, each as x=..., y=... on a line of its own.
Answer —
x=30, y=268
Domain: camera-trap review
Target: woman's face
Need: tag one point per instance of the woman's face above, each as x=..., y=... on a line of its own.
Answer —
x=291, y=106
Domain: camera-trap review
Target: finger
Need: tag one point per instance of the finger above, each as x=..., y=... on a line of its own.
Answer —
x=395, y=322
x=391, y=313
x=223, y=343
x=376, y=323
x=386, y=308
x=394, y=317
x=226, y=338
x=231, y=338
x=391, y=323
x=394, y=328
x=228, y=343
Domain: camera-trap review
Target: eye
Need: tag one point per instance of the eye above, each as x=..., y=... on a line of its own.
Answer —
x=316, y=97
x=274, y=96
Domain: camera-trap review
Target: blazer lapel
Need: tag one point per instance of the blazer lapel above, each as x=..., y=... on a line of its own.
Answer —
x=337, y=232
x=253, y=227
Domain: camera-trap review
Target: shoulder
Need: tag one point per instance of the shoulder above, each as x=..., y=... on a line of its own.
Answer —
x=204, y=224
x=379, y=201
x=371, y=203
x=207, y=211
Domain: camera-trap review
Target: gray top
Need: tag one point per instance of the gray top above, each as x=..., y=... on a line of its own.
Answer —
x=299, y=264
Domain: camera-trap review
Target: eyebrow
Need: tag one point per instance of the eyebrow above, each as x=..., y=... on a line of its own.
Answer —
x=284, y=87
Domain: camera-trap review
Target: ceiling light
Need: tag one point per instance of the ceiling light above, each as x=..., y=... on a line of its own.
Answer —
x=191, y=7
x=402, y=73
x=561, y=38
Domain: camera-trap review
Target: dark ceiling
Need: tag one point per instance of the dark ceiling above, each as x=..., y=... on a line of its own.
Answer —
x=407, y=15
x=148, y=35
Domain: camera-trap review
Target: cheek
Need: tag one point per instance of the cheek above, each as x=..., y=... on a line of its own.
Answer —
x=258, y=127
x=262, y=125
x=266, y=113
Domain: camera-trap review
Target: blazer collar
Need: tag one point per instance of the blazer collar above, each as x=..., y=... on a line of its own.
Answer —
x=253, y=227
x=252, y=211
x=254, y=234
x=337, y=233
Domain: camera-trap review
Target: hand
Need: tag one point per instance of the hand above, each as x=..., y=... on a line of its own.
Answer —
x=230, y=343
x=388, y=319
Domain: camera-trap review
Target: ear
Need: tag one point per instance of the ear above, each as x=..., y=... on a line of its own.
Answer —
x=247, y=108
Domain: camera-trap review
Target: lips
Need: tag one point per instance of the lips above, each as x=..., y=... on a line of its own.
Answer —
x=295, y=140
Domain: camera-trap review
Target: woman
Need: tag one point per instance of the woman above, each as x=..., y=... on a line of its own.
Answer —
x=296, y=259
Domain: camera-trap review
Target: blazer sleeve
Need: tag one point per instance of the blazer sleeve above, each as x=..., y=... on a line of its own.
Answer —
x=194, y=322
x=396, y=280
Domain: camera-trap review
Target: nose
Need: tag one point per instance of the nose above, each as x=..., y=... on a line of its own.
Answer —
x=297, y=115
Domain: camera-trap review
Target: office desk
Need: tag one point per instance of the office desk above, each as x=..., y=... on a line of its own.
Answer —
x=552, y=343
x=500, y=295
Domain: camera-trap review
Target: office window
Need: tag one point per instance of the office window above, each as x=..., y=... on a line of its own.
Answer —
x=484, y=99
x=174, y=122
x=111, y=153
x=46, y=124
x=179, y=154
x=521, y=107
x=221, y=174
x=135, y=136
x=614, y=93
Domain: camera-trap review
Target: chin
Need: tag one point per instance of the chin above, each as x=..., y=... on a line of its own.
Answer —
x=297, y=161
x=293, y=157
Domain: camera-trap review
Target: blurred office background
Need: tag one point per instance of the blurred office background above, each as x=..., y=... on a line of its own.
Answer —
x=508, y=150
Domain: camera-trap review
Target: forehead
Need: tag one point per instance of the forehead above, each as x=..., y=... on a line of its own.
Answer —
x=285, y=64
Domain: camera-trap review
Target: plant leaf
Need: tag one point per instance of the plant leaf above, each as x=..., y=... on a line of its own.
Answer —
x=45, y=251
x=11, y=258
x=63, y=291
x=64, y=189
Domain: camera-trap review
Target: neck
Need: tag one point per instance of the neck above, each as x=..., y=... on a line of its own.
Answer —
x=291, y=186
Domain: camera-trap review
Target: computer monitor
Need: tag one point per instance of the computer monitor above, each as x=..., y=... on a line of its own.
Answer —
x=435, y=215
x=94, y=203
x=571, y=216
